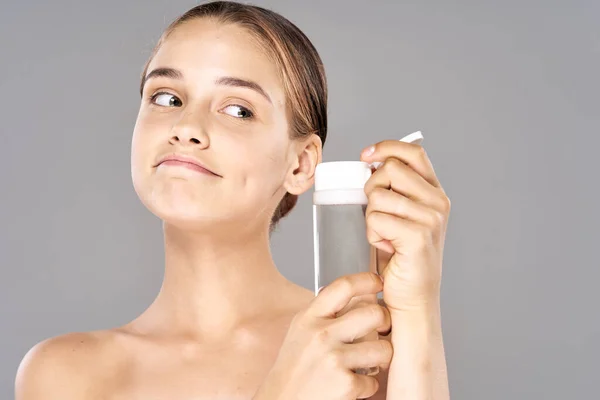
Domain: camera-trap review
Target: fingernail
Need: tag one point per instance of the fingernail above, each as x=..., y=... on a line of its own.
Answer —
x=368, y=151
x=380, y=277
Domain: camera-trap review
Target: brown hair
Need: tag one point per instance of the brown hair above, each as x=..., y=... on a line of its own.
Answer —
x=301, y=68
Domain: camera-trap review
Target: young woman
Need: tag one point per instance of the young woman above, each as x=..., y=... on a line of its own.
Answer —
x=230, y=129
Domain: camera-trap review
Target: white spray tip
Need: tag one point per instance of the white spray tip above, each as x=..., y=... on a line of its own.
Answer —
x=415, y=137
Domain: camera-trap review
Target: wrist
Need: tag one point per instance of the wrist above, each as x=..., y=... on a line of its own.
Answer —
x=418, y=367
x=424, y=305
x=423, y=321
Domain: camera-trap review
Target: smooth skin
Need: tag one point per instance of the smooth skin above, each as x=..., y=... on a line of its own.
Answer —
x=226, y=324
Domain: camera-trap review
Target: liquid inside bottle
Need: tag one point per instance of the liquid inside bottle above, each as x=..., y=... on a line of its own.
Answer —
x=341, y=248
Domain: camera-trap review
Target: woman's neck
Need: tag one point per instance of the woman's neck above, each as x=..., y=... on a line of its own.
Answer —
x=215, y=284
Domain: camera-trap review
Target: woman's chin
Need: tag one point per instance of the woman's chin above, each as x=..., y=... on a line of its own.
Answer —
x=211, y=219
x=190, y=210
x=183, y=211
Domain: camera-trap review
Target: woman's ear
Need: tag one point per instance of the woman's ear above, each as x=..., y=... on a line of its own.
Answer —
x=307, y=154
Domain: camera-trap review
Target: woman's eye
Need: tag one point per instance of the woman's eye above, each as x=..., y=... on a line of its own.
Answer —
x=166, y=100
x=238, y=111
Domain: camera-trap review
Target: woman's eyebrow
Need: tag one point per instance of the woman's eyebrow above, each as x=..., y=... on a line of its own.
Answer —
x=239, y=82
x=172, y=73
x=164, y=72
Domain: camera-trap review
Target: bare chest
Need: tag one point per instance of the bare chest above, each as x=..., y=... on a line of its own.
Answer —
x=195, y=374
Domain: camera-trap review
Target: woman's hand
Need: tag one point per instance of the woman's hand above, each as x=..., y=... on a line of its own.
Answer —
x=317, y=358
x=407, y=215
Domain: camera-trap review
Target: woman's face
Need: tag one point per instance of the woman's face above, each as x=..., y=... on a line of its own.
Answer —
x=211, y=97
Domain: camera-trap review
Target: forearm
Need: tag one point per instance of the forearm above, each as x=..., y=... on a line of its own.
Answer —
x=418, y=368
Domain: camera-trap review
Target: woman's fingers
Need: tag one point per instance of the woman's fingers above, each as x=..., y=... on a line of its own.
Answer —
x=367, y=354
x=366, y=385
x=360, y=321
x=334, y=297
x=402, y=179
x=390, y=202
x=413, y=155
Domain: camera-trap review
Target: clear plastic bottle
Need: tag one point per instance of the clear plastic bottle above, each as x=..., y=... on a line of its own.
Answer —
x=339, y=227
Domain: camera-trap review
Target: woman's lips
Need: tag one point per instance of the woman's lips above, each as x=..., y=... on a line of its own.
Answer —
x=178, y=160
x=187, y=164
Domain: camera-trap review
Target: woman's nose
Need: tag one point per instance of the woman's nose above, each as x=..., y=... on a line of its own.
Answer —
x=189, y=139
x=189, y=132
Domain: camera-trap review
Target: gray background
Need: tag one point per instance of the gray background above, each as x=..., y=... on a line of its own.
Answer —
x=506, y=93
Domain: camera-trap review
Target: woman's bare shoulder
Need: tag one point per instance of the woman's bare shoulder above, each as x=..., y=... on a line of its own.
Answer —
x=68, y=366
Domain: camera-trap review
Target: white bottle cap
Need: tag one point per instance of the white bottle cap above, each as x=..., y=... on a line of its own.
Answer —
x=340, y=175
x=343, y=175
